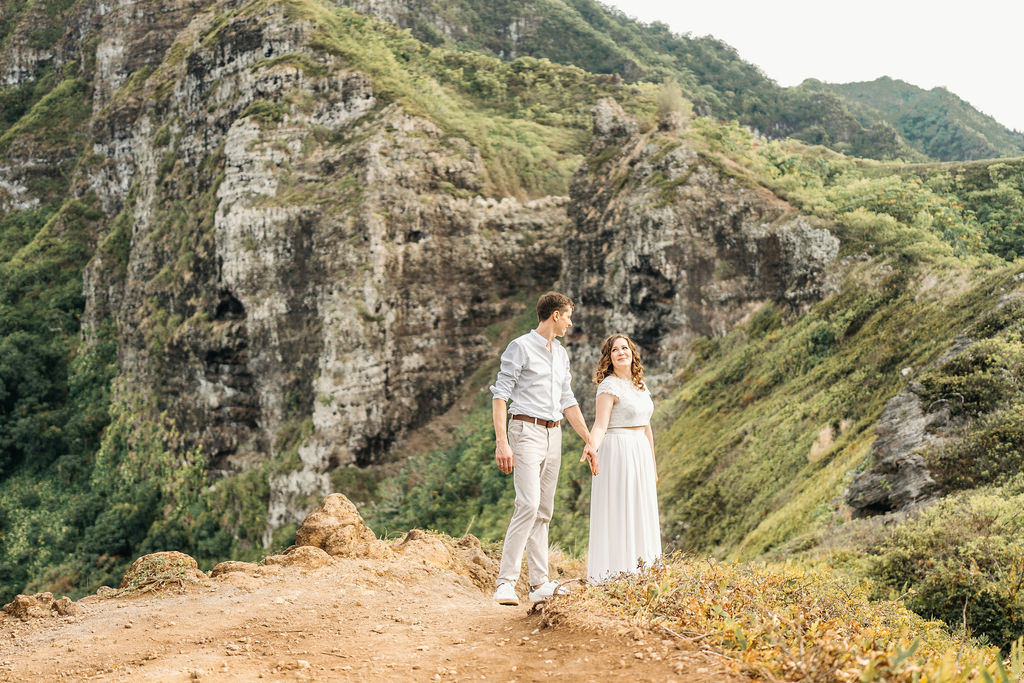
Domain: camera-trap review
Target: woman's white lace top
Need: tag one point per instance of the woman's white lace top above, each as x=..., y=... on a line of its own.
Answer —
x=634, y=407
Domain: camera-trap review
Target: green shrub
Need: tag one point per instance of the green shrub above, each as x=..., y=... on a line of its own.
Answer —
x=978, y=379
x=962, y=559
x=991, y=451
x=1009, y=316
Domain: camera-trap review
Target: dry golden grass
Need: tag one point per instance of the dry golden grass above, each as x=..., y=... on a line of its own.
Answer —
x=783, y=622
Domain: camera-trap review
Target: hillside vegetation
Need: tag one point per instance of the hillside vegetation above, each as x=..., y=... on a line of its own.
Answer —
x=759, y=432
x=602, y=39
x=936, y=122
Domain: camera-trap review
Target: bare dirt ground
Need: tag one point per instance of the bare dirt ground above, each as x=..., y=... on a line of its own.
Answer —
x=355, y=620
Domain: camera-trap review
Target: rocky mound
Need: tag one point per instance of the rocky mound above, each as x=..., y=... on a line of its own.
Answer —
x=27, y=607
x=337, y=528
x=162, y=570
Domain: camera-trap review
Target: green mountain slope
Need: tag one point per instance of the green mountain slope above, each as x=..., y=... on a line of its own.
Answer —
x=936, y=122
x=714, y=76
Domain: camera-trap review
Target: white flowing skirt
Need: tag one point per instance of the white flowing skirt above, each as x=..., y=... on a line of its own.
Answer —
x=624, y=525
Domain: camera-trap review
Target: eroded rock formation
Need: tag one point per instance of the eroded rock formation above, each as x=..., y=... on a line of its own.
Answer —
x=26, y=607
x=309, y=270
x=898, y=476
x=667, y=244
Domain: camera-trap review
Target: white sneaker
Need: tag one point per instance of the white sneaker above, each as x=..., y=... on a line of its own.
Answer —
x=544, y=591
x=506, y=595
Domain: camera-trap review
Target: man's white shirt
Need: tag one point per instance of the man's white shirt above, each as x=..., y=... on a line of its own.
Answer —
x=533, y=379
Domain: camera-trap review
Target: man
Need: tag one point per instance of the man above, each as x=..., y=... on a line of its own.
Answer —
x=535, y=376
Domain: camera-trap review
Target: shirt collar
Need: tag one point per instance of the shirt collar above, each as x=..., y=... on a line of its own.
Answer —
x=539, y=338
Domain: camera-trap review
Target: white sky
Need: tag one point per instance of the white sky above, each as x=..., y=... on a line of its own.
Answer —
x=973, y=48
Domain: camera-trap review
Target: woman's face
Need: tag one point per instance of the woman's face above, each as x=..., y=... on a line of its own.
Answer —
x=622, y=357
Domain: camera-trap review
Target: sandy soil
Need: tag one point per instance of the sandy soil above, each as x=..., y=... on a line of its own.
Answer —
x=355, y=620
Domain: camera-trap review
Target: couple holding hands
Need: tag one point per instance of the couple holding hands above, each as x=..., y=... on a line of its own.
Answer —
x=534, y=377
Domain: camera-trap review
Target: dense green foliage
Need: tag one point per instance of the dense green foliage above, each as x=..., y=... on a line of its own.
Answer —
x=989, y=195
x=80, y=524
x=962, y=561
x=45, y=411
x=54, y=390
x=936, y=122
x=603, y=40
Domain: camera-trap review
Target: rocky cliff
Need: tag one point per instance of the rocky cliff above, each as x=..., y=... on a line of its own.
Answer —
x=668, y=244
x=310, y=268
x=301, y=259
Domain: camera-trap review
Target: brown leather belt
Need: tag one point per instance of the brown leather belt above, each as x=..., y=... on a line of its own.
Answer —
x=537, y=421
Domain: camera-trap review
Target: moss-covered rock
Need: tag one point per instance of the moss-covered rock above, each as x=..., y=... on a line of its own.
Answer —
x=161, y=571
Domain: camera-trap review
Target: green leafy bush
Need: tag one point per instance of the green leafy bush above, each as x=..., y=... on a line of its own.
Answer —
x=990, y=452
x=978, y=379
x=962, y=559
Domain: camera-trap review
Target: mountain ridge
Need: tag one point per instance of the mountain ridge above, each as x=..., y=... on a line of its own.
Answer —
x=936, y=121
x=603, y=39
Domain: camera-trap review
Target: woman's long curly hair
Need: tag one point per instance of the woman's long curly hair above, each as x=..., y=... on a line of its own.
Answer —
x=605, y=368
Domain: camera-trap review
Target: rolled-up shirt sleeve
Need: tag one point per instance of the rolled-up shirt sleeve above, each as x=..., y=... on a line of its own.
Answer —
x=512, y=363
x=568, y=399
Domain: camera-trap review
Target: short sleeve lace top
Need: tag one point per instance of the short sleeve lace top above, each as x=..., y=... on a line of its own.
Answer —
x=634, y=407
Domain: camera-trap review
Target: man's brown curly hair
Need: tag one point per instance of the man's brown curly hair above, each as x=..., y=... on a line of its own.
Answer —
x=604, y=366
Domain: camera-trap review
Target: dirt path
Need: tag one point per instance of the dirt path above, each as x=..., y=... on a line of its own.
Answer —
x=356, y=620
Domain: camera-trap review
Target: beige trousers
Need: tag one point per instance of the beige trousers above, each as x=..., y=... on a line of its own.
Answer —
x=538, y=455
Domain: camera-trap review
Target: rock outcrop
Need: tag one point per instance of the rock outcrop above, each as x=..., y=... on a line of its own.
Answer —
x=231, y=566
x=474, y=562
x=337, y=528
x=162, y=570
x=667, y=244
x=305, y=556
x=419, y=546
x=40, y=605
x=899, y=476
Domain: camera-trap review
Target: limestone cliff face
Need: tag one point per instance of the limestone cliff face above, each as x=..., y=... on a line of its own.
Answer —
x=302, y=270
x=667, y=245
x=310, y=270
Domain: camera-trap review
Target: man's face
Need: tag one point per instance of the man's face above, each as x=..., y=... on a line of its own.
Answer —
x=563, y=321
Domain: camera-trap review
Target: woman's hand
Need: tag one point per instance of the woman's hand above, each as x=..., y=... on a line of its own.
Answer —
x=590, y=456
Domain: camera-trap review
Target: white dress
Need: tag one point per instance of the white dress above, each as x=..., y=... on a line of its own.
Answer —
x=624, y=525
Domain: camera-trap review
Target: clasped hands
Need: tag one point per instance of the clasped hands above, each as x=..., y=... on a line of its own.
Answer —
x=506, y=462
x=590, y=456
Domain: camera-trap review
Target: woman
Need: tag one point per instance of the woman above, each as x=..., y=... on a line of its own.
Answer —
x=624, y=526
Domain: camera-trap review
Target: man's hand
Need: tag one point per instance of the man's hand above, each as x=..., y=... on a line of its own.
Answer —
x=590, y=456
x=503, y=456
